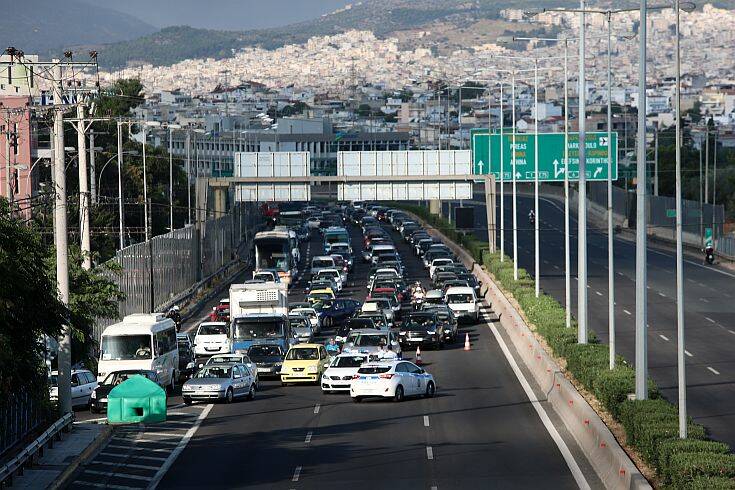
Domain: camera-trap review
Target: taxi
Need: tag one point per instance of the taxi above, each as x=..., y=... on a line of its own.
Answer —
x=304, y=363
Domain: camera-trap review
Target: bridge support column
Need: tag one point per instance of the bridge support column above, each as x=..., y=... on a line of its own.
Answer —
x=435, y=206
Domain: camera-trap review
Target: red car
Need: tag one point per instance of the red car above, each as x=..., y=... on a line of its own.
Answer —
x=220, y=313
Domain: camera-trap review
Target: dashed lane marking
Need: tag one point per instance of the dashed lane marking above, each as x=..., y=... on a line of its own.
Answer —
x=598, y=293
x=429, y=453
x=118, y=475
x=296, y=474
x=426, y=420
x=316, y=408
x=709, y=319
x=689, y=354
x=307, y=439
x=664, y=337
x=713, y=370
x=627, y=312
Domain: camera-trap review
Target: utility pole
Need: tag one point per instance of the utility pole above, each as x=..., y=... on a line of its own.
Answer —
x=145, y=190
x=582, y=207
x=513, y=159
x=84, y=222
x=567, y=248
x=171, y=177
x=701, y=200
x=641, y=279
x=188, y=176
x=706, y=162
x=60, y=240
x=120, y=206
x=92, y=169
x=502, y=175
x=714, y=188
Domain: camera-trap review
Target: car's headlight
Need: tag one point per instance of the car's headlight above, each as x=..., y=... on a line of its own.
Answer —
x=312, y=369
x=240, y=351
x=190, y=365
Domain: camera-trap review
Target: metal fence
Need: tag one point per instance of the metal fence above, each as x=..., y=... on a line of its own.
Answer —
x=20, y=414
x=181, y=259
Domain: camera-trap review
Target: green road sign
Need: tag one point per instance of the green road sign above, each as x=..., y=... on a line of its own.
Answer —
x=551, y=156
x=708, y=242
x=671, y=213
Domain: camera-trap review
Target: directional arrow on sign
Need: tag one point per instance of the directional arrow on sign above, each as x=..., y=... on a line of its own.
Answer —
x=598, y=171
x=481, y=164
x=518, y=175
x=557, y=170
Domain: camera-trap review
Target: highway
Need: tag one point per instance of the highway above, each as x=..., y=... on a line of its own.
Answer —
x=709, y=308
x=480, y=431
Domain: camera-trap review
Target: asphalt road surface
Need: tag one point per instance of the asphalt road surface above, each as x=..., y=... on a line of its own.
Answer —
x=480, y=431
x=709, y=307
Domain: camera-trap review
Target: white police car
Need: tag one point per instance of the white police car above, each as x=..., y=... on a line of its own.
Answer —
x=394, y=379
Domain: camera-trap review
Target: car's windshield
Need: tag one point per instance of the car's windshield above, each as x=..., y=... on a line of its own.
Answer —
x=116, y=378
x=126, y=347
x=219, y=372
x=302, y=354
x=348, y=361
x=329, y=274
x=369, y=340
x=319, y=296
x=265, y=351
x=212, y=330
x=322, y=263
x=224, y=359
x=263, y=277
x=459, y=298
x=419, y=322
x=248, y=330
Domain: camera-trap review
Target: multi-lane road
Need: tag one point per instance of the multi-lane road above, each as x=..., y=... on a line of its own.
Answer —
x=480, y=431
x=709, y=307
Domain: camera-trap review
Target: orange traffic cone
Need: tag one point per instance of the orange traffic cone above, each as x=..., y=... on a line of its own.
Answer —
x=467, y=342
x=418, y=355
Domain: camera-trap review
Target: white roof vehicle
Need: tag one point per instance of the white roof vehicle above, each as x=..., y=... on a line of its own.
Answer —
x=212, y=338
x=394, y=379
x=463, y=303
x=334, y=274
x=338, y=376
x=438, y=263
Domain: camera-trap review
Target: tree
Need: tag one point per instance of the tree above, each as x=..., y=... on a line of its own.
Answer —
x=29, y=308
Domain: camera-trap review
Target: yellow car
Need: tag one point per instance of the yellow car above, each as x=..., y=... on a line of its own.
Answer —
x=304, y=363
x=320, y=295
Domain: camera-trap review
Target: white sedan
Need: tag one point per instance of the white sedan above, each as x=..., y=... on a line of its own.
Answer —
x=391, y=379
x=338, y=376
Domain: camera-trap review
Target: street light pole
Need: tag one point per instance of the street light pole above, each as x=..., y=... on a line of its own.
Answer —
x=502, y=177
x=582, y=194
x=537, y=270
x=610, y=238
x=641, y=317
x=681, y=360
x=513, y=158
x=567, y=253
x=188, y=176
x=171, y=177
x=145, y=189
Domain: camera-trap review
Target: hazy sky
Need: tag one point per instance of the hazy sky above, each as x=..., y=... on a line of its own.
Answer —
x=223, y=14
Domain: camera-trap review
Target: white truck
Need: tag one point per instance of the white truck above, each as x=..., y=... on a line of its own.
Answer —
x=264, y=297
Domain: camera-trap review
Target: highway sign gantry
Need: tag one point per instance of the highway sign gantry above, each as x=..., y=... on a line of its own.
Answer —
x=551, y=156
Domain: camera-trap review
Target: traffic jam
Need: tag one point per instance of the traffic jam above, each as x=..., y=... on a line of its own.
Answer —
x=330, y=303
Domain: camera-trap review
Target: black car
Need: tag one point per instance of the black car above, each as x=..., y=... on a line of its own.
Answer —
x=446, y=320
x=98, y=399
x=421, y=328
x=268, y=358
x=353, y=324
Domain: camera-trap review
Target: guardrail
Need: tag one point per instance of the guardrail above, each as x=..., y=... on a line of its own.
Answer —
x=16, y=465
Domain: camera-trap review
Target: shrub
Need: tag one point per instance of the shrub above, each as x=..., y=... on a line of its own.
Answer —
x=687, y=466
x=667, y=449
x=612, y=387
x=653, y=433
x=709, y=483
x=586, y=361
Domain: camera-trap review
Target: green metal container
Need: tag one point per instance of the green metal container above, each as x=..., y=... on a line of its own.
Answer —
x=136, y=400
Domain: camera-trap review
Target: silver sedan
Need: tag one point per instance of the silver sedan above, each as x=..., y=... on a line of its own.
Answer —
x=216, y=382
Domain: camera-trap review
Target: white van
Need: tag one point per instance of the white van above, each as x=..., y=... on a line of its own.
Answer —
x=212, y=338
x=141, y=341
x=463, y=303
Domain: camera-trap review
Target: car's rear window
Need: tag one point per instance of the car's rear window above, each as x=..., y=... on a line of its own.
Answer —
x=373, y=370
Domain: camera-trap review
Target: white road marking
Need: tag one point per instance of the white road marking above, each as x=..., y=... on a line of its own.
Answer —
x=429, y=453
x=563, y=448
x=296, y=474
x=626, y=312
x=116, y=455
x=664, y=337
x=661, y=294
x=621, y=274
x=598, y=293
x=715, y=371
x=101, y=485
x=704, y=300
x=117, y=475
x=170, y=443
x=732, y=331
x=709, y=319
x=316, y=408
x=127, y=465
x=688, y=353
x=180, y=448
x=426, y=420
x=307, y=440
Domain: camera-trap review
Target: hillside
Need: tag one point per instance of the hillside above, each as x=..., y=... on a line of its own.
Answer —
x=452, y=22
x=47, y=26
